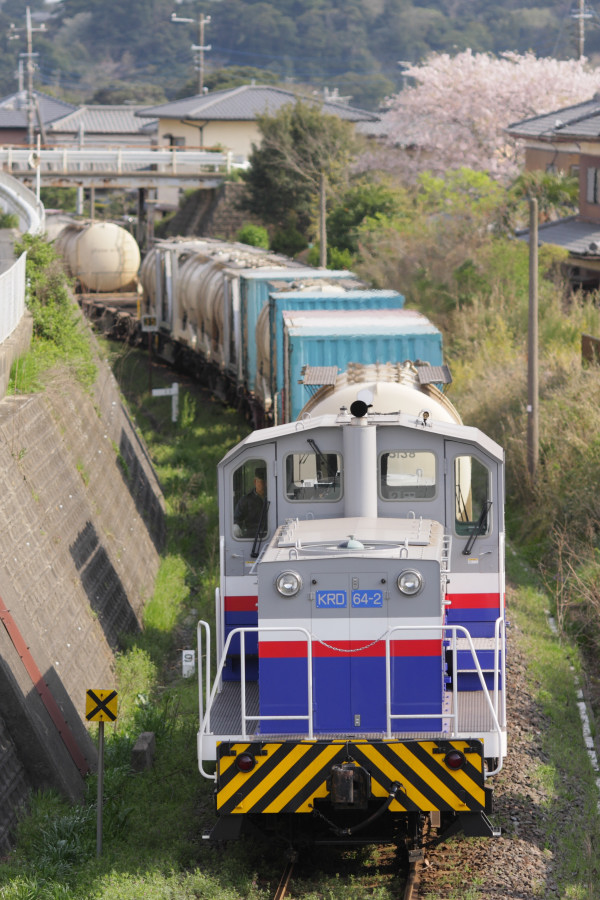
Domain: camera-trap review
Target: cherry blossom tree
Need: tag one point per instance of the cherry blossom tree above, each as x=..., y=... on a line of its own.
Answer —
x=456, y=109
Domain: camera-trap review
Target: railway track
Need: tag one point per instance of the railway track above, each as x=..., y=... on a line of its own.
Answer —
x=386, y=865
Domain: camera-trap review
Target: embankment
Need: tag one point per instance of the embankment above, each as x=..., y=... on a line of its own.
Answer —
x=81, y=527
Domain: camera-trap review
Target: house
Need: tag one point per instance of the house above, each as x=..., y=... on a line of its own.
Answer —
x=568, y=140
x=228, y=118
x=103, y=126
x=14, y=116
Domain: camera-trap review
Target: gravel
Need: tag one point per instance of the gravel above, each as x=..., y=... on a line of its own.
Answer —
x=518, y=864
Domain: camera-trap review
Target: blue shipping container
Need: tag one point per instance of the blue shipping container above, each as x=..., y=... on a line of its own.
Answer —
x=283, y=301
x=254, y=293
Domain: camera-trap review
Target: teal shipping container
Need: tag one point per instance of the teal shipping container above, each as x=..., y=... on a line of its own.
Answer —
x=254, y=293
x=324, y=338
x=270, y=351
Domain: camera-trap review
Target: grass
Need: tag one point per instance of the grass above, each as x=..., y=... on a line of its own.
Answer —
x=565, y=771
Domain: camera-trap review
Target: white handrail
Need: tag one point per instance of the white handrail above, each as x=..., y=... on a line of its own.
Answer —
x=205, y=721
x=445, y=629
x=117, y=160
x=439, y=628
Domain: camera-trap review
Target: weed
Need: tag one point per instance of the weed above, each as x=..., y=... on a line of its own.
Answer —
x=84, y=474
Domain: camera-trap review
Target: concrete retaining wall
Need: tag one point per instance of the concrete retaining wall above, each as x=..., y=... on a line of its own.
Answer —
x=81, y=526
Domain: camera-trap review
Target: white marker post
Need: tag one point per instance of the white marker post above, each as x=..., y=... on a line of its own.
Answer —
x=172, y=392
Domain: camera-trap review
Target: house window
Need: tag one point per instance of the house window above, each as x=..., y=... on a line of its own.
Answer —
x=593, y=185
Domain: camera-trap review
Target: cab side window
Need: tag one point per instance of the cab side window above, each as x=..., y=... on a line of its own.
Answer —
x=472, y=495
x=250, y=502
x=313, y=476
x=407, y=475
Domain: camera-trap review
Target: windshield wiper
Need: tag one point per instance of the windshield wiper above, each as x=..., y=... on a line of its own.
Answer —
x=479, y=528
x=261, y=530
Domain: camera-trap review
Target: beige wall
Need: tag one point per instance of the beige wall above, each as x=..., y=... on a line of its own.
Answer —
x=235, y=136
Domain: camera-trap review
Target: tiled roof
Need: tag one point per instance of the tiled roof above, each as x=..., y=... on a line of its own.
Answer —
x=13, y=109
x=245, y=103
x=579, y=121
x=102, y=120
x=579, y=238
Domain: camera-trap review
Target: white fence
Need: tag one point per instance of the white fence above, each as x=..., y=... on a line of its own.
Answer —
x=16, y=198
x=12, y=297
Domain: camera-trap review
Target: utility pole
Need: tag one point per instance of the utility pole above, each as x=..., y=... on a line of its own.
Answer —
x=322, y=222
x=13, y=35
x=581, y=15
x=532, y=346
x=200, y=48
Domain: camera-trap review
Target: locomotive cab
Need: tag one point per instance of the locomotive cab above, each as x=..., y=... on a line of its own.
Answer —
x=360, y=620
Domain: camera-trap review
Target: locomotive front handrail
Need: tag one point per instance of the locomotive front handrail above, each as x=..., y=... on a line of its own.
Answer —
x=454, y=715
x=205, y=721
x=452, y=630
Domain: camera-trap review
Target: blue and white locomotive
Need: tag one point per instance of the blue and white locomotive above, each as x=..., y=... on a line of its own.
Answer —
x=360, y=646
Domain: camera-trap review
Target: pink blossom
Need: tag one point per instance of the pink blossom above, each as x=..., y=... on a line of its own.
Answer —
x=455, y=112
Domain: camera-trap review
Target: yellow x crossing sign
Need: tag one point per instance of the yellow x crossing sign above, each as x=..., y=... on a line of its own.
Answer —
x=100, y=705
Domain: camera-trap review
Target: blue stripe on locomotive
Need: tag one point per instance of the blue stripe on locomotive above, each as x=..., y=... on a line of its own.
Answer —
x=345, y=687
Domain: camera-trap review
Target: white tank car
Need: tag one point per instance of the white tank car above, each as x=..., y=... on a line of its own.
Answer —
x=102, y=256
x=387, y=388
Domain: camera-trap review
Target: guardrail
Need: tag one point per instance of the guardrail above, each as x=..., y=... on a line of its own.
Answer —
x=119, y=160
x=12, y=297
x=18, y=199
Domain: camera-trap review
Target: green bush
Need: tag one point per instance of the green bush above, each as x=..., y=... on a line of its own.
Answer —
x=59, y=336
x=254, y=235
x=9, y=220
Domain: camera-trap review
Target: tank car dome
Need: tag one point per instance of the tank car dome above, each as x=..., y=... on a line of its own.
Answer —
x=389, y=389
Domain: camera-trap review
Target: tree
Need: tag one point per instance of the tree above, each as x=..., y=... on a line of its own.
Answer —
x=119, y=92
x=456, y=112
x=557, y=195
x=300, y=149
x=364, y=200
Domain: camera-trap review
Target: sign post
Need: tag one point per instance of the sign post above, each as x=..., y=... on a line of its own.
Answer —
x=101, y=707
x=149, y=327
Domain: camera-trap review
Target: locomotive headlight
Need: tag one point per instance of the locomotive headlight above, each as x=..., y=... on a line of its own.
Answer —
x=409, y=582
x=288, y=584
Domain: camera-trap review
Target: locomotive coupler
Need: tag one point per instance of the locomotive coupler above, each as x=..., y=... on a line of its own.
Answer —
x=349, y=786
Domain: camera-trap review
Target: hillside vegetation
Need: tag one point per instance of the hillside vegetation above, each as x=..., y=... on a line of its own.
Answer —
x=354, y=45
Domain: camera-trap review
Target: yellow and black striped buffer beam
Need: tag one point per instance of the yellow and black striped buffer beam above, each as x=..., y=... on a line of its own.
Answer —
x=288, y=777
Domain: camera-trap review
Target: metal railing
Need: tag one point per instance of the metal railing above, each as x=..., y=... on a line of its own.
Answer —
x=245, y=718
x=495, y=707
x=119, y=159
x=450, y=634
x=18, y=199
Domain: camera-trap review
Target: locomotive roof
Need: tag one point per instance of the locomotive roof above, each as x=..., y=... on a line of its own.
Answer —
x=451, y=430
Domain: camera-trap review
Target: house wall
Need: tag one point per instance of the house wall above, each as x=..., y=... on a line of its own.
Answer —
x=235, y=136
x=537, y=159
